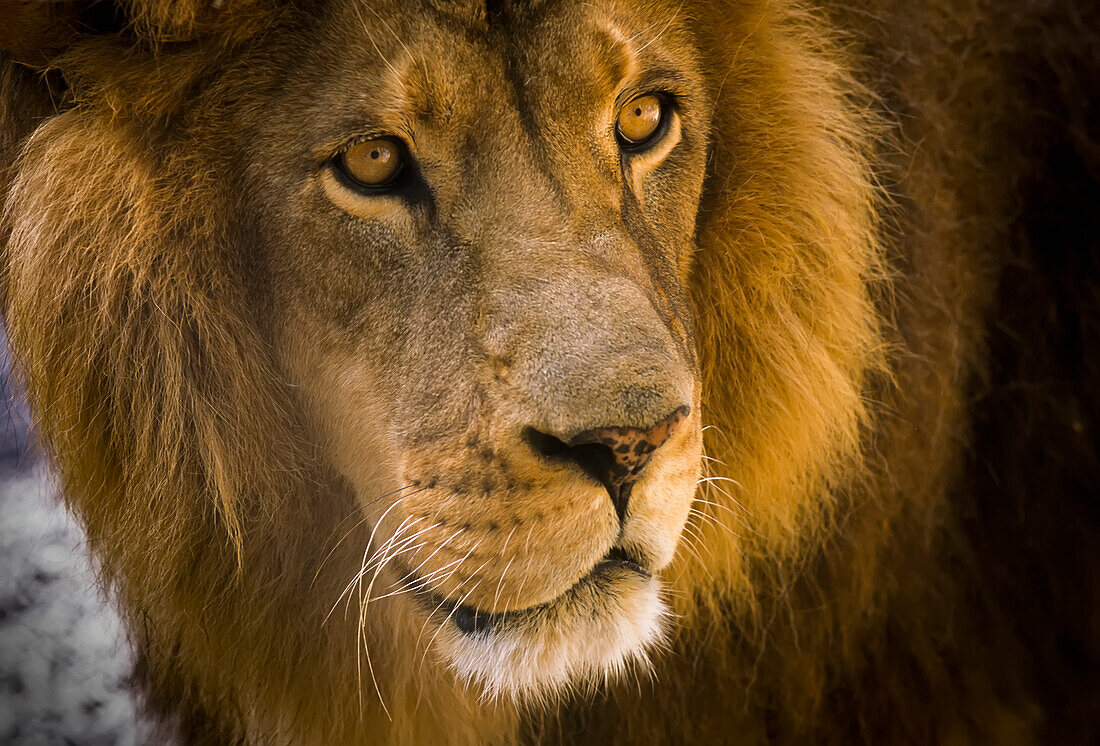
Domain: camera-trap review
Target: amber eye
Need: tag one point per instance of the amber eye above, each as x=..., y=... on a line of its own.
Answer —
x=640, y=121
x=373, y=163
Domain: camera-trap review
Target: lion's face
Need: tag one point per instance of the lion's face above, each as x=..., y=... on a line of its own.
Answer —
x=477, y=268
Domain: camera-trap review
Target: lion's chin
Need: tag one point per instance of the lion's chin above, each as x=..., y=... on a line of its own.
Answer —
x=596, y=630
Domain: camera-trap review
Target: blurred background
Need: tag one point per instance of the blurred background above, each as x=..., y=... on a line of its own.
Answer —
x=64, y=661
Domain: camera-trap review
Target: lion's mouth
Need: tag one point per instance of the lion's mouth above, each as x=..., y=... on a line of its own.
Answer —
x=473, y=621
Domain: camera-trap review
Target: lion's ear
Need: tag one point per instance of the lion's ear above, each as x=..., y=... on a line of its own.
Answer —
x=230, y=21
x=35, y=32
x=138, y=56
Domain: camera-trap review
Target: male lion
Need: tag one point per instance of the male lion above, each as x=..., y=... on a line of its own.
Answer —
x=602, y=371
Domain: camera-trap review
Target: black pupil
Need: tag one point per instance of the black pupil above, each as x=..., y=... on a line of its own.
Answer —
x=638, y=112
x=374, y=155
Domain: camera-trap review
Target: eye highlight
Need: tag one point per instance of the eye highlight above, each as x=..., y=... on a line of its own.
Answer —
x=640, y=122
x=372, y=164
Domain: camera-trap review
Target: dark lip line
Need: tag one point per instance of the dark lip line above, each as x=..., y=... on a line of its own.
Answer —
x=471, y=620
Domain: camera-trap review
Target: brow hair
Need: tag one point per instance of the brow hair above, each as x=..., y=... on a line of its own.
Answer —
x=481, y=13
x=474, y=12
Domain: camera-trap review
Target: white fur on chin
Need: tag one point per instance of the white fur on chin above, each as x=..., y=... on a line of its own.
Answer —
x=594, y=634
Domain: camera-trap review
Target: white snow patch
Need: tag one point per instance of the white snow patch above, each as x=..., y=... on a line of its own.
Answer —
x=64, y=662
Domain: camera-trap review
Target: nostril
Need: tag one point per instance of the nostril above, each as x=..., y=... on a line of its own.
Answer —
x=614, y=456
x=594, y=459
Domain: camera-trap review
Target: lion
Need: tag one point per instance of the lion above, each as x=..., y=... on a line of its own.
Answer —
x=548, y=371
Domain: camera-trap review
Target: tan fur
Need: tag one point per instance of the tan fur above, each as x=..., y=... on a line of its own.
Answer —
x=262, y=390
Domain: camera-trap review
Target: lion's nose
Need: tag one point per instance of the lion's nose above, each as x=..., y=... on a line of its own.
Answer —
x=613, y=455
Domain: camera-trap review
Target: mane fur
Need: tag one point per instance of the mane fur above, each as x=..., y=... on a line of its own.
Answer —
x=848, y=255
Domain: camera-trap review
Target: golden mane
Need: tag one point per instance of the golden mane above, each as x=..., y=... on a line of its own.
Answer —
x=849, y=243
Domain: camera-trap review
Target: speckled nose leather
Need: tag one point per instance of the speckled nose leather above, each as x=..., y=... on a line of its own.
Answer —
x=630, y=451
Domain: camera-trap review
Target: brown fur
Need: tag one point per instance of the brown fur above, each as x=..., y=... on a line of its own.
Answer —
x=184, y=304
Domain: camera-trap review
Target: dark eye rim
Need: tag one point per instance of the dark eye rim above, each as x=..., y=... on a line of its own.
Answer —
x=667, y=104
x=339, y=167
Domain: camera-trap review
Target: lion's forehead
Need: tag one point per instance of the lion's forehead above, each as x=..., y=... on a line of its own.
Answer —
x=555, y=62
